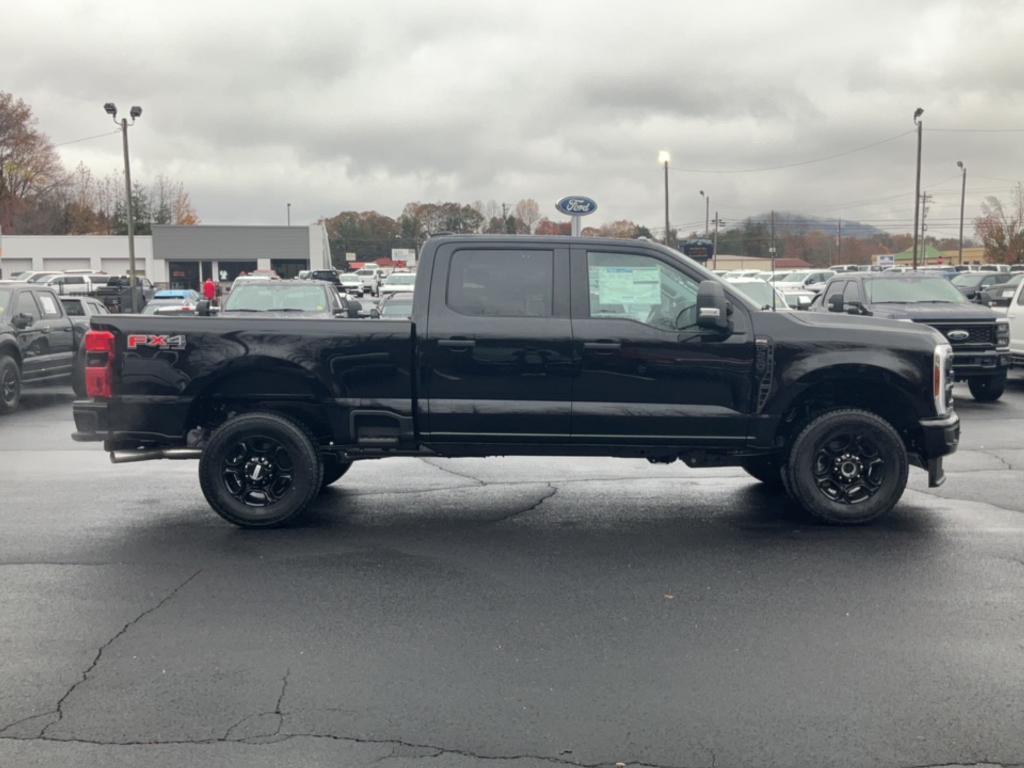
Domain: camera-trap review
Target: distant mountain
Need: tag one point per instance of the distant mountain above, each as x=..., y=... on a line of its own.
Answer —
x=799, y=224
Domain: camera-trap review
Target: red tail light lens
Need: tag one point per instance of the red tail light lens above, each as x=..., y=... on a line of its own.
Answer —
x=99, y=364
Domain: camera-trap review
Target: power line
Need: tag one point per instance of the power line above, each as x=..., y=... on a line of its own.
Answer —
x=86, y=138
x=977, y=130
x=799, y=163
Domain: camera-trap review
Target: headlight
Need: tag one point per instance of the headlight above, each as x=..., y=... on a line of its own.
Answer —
x=1002, y=333
x=942, y=384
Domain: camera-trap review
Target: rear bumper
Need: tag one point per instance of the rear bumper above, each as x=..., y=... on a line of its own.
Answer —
x=982, y=363
x=119, y=424
x=90, y=421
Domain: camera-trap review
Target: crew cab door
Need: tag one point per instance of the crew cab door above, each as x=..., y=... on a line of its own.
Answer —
x=647, y=372
x=496, y=358
x=56, y=347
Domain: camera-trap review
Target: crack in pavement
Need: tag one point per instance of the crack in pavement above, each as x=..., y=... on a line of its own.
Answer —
x=58, y=710
x=277, y=713
x=395, y=743
x=452, y=472
x=552, y=490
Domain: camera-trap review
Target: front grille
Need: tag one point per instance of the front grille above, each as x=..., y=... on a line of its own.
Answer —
x=977, y=335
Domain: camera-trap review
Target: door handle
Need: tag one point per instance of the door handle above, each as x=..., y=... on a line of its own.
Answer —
x=44, y=330
x=602, y=346
x=456, y=343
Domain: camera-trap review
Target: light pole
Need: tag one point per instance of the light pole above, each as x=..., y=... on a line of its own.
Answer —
x=714, y=245
x=111, y=109
x=663, y=158
x=963, y=194
x=707, y=210
x=289, y=214
x=917, y=186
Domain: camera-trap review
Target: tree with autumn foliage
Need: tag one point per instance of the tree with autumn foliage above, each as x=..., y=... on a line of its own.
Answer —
x=1001, y=228
x=30, y=168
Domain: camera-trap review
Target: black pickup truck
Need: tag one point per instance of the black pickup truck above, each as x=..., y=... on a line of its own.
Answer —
x=530, y=345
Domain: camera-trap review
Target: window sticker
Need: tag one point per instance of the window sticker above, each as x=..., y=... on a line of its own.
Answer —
x=628, y=285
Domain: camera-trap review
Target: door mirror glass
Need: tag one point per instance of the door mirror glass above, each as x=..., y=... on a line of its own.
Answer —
x=712, y=306
x=835, y=303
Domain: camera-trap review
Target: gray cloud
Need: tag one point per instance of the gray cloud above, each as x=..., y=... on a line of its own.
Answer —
x=334, y=106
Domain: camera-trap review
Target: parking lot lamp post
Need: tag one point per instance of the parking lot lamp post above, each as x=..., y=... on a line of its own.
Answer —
x=289, y=215
x=917, y=186
x=663, y=158
x=963, y=193
x=111, y=109
x=707, y=211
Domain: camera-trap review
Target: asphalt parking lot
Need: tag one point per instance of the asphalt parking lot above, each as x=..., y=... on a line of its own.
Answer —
x=507, y=612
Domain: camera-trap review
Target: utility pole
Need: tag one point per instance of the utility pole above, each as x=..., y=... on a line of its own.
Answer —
x=289, y=214
x=917, y=185
x=771, y=253
x=707, y=209
x=963, y=194
x=111, y=109
x=663, y=158
x=839, y=241
x=925, y=197
x=714, y=245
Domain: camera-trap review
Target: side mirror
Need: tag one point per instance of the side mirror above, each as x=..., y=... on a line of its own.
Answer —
x=712, y=306
x=375, y=313
x=203, y=307
x=354, y=308
x=835, y=303
x=22, y=321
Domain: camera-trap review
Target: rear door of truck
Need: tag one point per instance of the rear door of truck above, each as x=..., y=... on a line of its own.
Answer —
x=496, y=357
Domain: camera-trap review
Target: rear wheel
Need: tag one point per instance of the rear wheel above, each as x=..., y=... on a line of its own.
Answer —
x=334, y=468
x=847, y=467
x=987, y=389
x=260, y=470
x=767, y=469
x=10, y=384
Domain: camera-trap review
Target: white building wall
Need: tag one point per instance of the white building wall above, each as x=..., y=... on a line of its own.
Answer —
x=106, y=253
x=319, y=247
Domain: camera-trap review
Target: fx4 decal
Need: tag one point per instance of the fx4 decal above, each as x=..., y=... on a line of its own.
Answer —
x=137, y=340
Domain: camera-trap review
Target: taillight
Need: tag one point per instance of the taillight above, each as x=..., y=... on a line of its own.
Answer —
x=99, y=364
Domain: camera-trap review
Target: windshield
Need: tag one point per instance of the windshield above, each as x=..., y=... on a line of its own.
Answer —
x=918, y=290
x=779, y=277
x=73, y=308
x=969, y=279
x=366, y=272
x=758, y=292
x=401, y=280
x=277, y=297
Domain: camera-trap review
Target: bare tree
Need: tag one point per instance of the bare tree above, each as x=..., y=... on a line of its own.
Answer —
x=528, y=212
x=1001, y=228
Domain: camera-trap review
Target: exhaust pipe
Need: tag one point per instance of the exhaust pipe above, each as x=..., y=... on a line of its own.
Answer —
x=151, y=454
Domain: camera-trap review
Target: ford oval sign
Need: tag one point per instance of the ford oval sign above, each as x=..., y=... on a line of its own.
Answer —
x=576, y=205
x=958, y=335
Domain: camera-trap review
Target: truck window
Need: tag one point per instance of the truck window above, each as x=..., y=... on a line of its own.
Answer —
x=50, y=306
x=852, y=292
x=26, y=305
x=502, y=283
x=641, y=288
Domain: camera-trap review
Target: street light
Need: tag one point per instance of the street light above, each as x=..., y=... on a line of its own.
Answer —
x=917, y=186
x=289, y=214
x=707, y=211
x=111, y=109
x=963, y=193
x=663, y=158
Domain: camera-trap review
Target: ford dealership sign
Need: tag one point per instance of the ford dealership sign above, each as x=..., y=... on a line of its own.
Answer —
x=576, y=205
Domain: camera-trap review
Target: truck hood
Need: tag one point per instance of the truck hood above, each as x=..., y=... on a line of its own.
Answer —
x=940, y=313
x=865, y=326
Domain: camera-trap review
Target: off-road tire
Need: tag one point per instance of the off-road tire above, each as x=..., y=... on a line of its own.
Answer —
x=987, y=389
x=218, y=472
x=10, y=384
x=810, y=453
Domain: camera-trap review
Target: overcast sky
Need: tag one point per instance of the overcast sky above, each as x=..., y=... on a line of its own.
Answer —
x=367, y=105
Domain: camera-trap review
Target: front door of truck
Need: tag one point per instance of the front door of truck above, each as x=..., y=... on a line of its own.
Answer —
x=647, y=373
x=496, y=358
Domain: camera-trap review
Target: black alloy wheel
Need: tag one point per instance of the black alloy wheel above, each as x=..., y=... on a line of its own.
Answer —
x=847, y=466
x=260, y=470
x=10, y=384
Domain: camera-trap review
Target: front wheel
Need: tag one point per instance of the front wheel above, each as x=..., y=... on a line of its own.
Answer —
x=260, y=470
x=987, y=389
x=847, y=467
x=10, y=384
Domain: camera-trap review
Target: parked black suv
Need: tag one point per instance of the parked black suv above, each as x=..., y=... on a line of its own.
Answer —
x=980, y=338
x=36, y=340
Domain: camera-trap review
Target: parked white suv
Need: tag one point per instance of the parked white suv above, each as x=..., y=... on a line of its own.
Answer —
x=371, y=278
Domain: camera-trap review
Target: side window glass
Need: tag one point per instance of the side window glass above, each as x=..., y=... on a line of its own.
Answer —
x=51, y=307
x=26, y=305
x=502, y=283
x=74, y=308
x=633, y=287
x=851, y=293
x=834, y=289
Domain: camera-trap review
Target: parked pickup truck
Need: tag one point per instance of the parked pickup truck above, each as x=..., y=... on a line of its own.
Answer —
x=538, y=346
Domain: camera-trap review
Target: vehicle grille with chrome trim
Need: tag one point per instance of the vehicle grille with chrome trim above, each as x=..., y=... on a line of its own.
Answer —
x=977, y=334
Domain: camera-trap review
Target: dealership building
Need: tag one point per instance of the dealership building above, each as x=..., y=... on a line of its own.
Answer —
x=174, y=256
